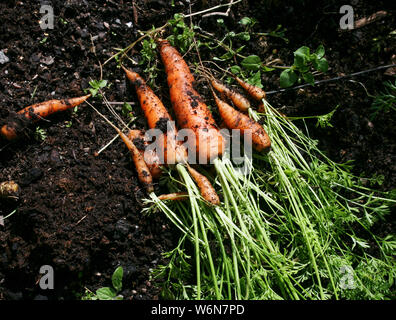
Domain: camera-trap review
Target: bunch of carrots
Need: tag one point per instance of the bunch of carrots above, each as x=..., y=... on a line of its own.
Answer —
x=191, y=113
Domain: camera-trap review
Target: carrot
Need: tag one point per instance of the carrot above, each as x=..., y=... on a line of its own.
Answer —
x=142, y=169
x=174, y=196
x=239, y=101
x=158, y=118
x=255, y=92
x=204, y=186
x=237, y=120
x=191, y=111
x=150, y=156
x=41, y=110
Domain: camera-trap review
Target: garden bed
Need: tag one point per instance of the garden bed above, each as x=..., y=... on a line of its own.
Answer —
x=82, y=214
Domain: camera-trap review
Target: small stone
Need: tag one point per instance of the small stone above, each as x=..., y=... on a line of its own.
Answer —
x=47, y=60
x=129, y=24
x=121, y=228
x=3, y=57
x=33, y=175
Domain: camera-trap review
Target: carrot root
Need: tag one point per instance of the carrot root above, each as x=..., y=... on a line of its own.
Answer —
x=41, y=110
x=239, y=101
x=142, y=169
x=174, y=196
x=204, y=186
x=150, y=156
x=255, y=92
x=237, y=120
x=191, y=111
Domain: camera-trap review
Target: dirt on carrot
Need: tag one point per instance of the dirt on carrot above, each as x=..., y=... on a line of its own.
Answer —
x=38, y=111
x=191, y=111
x=234, y=119
x=237, y=99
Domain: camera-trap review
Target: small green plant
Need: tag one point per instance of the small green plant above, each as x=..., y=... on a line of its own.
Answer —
x=63, y=21
x=127, y=111
x=40, y=134
x=182, y=35
x=324, y=120
x=279, y=32
x=108, y=293
x=384, y=102
x=304, y=62
x=96, y=85
x=149, y=59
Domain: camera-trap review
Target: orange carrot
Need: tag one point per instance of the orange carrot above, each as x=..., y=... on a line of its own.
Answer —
x=237, y=120
x=191, y=111
x=255, y=92
x=158, y=118
x=204, y=186
x=41, y=110
x=150, y=156
x=142, y=169
x=174, y=196
x=239, y=101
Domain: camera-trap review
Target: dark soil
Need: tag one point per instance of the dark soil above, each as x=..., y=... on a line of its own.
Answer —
x=82, y=214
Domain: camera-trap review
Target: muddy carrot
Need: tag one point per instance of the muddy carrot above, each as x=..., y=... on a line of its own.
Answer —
x=255, y=92
x=41, y=110
x=237, y=120
x=158, y=117
x=142, y=169
x=205, y=187
x=239, y=101
x=150, y=156
x=190, y=110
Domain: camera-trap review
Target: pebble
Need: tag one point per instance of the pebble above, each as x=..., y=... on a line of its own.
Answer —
x=129, y=24
x=130, y=272
x=31, y=176
x=3, y=57
x=47, y=60
x=121, y=228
